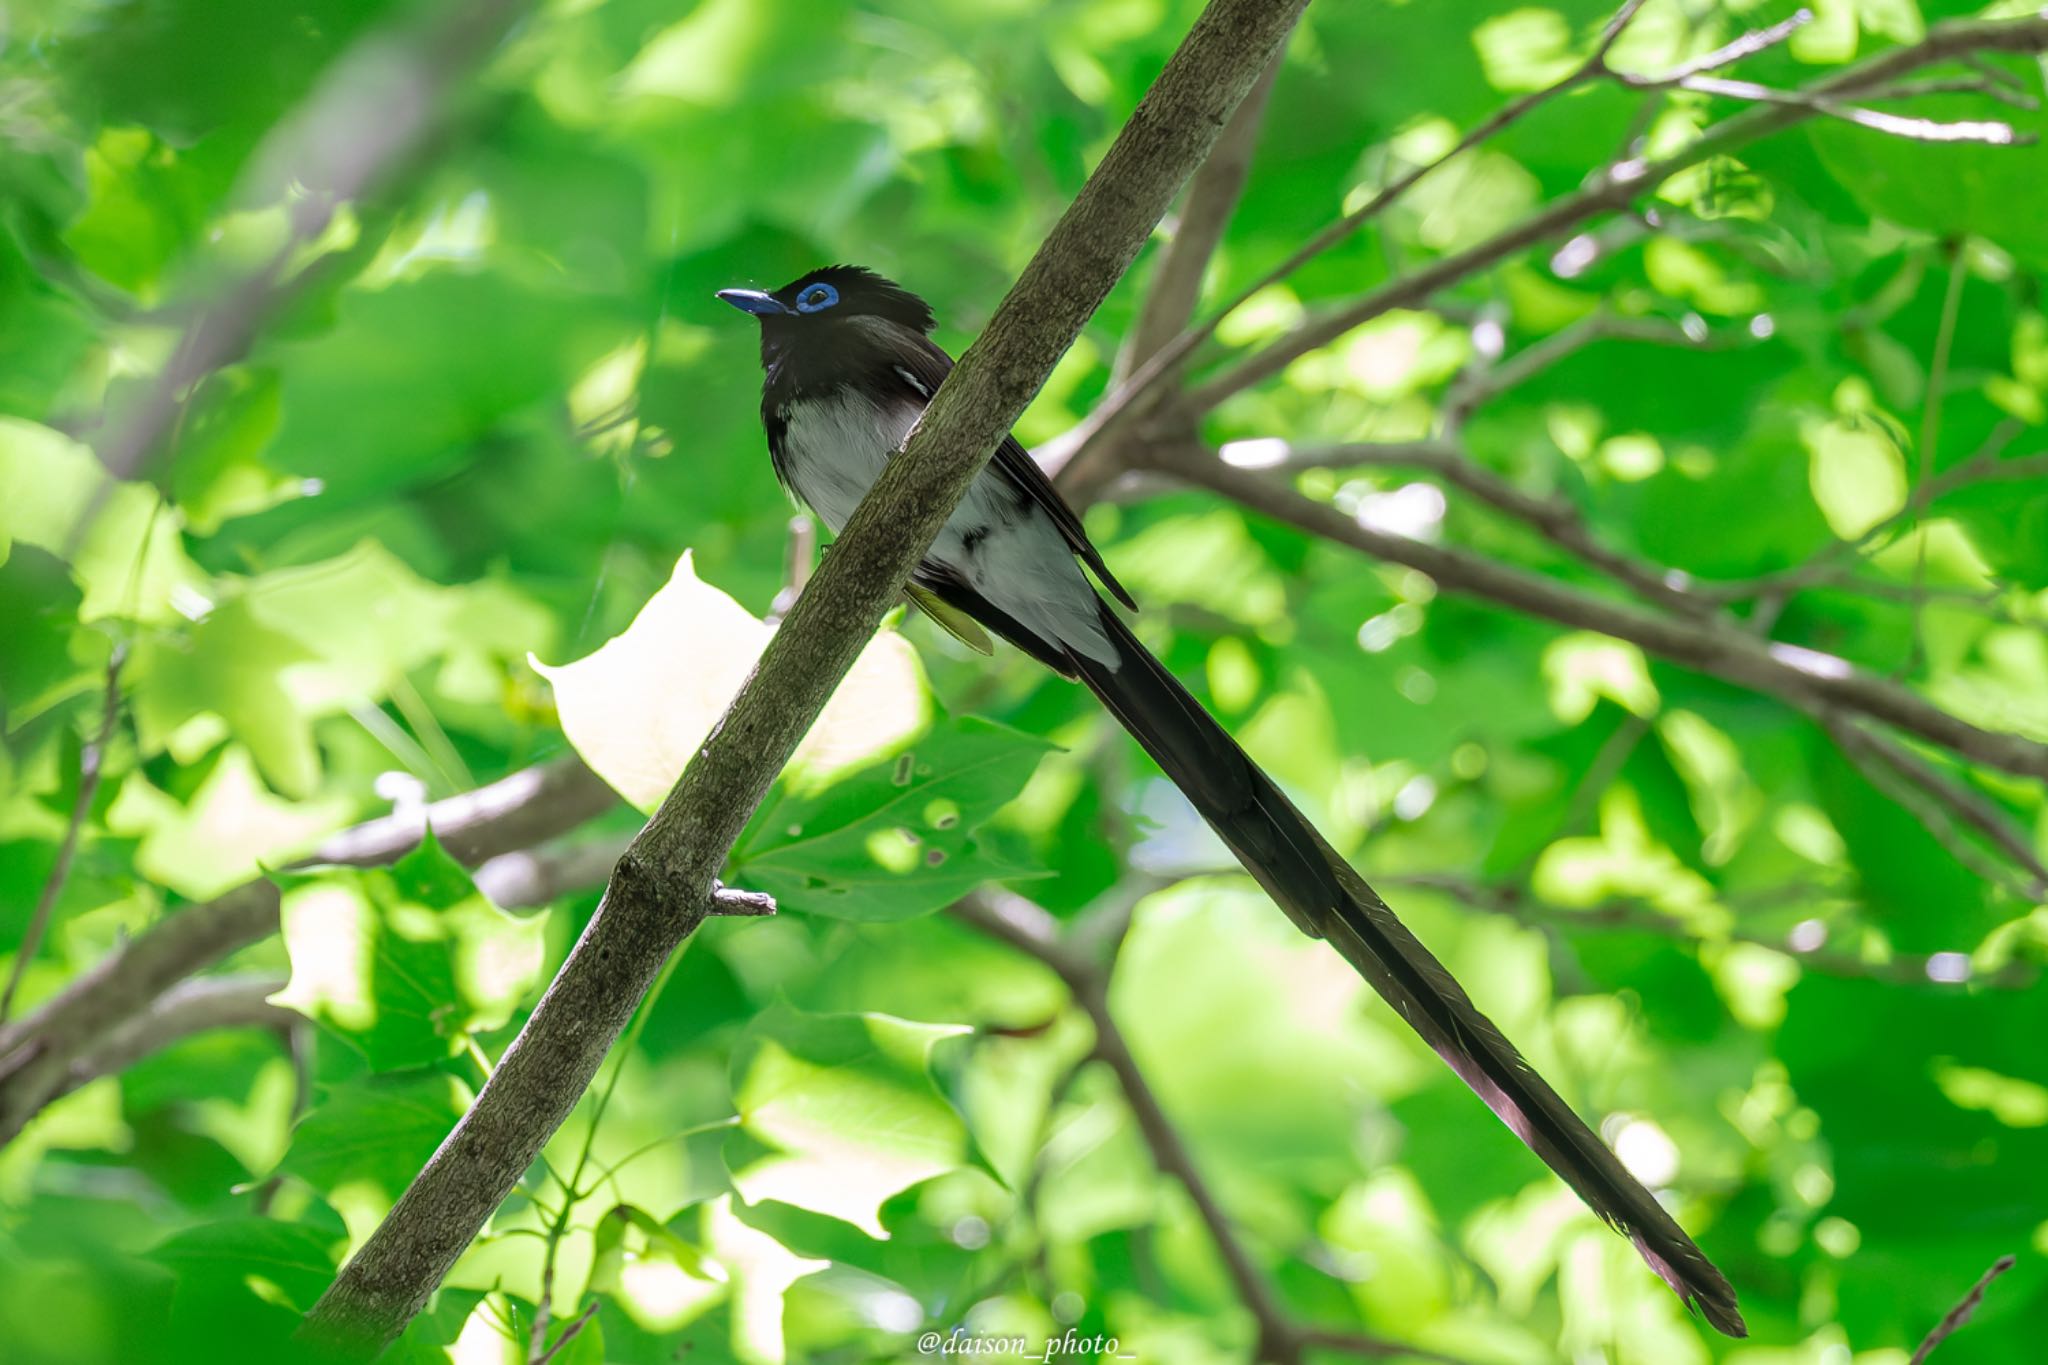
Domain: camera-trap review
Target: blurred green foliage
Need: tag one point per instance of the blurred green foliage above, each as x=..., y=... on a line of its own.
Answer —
x=502, y=402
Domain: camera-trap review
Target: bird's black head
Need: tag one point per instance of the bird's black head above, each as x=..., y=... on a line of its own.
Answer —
x=833, y=294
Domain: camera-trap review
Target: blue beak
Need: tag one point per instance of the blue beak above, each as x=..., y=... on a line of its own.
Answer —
x=753, y=301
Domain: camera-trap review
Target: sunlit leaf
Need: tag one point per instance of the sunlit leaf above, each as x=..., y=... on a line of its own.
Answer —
x=899, y=839
x=407, y=961
x=846, y=1110
x=639, y=707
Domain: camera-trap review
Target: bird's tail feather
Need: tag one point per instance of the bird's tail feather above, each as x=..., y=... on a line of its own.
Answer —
x=1327, y=899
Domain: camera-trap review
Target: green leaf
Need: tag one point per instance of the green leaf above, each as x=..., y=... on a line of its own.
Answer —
x=407, y=961
x=119, y=539
x=297, y=1260
x=895, y=840
x=842, y=1112
x=217, y=466
x=376, y=1128
x=639, y=707
x=662, y=1281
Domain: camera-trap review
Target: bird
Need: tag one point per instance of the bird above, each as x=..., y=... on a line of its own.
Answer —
x=848, y=366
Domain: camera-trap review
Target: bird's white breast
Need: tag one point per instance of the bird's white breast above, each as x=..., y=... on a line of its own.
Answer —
x=834, y=448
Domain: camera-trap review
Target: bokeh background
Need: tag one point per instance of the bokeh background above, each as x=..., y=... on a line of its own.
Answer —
x=466, y=408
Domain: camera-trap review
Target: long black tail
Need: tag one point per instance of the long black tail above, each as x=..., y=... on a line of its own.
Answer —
x=1327, y=899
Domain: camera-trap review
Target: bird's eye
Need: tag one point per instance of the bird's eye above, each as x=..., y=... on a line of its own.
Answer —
x=816, y=297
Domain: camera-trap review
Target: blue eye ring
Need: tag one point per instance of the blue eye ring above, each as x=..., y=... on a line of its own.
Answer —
x=816, y=297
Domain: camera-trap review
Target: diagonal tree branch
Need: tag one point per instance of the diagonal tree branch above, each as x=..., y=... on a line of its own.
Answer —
x=1804, y=677
x=1211, y=201
x=1959, y=1315
x=91, y=762
x=661, y=889
x=1010, y=918
x=39, y=1051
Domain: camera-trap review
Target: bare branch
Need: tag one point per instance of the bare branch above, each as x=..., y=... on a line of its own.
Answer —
x=1990, y=132
x=197, y=1006
x=1748, y=45
x=660, y=890
x=1930, y=795
x=1516, y=902
x=91, y=759
x=1960, y=1314
x=568, y=1334
x=1211, y=200
x=1804, y=677
x=1552, y=518
x=1011, y=919
x=37, y=1052
x=1985, y=466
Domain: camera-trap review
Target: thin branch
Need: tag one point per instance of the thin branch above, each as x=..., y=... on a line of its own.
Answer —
x=1930, y=796
x=568, y=1334
x=1976, y=809
x=1550, y=517
x=1483, y=386
x=91, y=761
x=1747, y=45
x=1513, y=900
x=1930, y=421
x=660, y=891
x=1802, y=676
x=1958, y=85
x=37, y=1052
x=1990, y=132
x=197, y=1006
x=1960, y=1314
x=1009, y=918
x=1615, y=188
x=799, y=560
x=1984, y=466
x=536, y=876
x=1176, y=286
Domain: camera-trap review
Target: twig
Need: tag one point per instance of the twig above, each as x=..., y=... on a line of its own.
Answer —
x=799, y=558
x=1011, y=919
x=200, y=1005
x=1614, y=189
x=1748, y=45
x=91, y=760
x=1971, y=804
x=1211, y=200
x=1930, y=422
x=38, y=1051
x=568, y=1334
x=1960, y=1314
x=370, y=113
x=1930, y=796
x=1802, y=676
x=659, y=892
x=1515, y=901
x=1958, y=85
x=535, y=876
x=1553, y=518
x=1984, y=466
x=1991, y=132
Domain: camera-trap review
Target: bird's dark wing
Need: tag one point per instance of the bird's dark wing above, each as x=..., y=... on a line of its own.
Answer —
x=922, y=370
